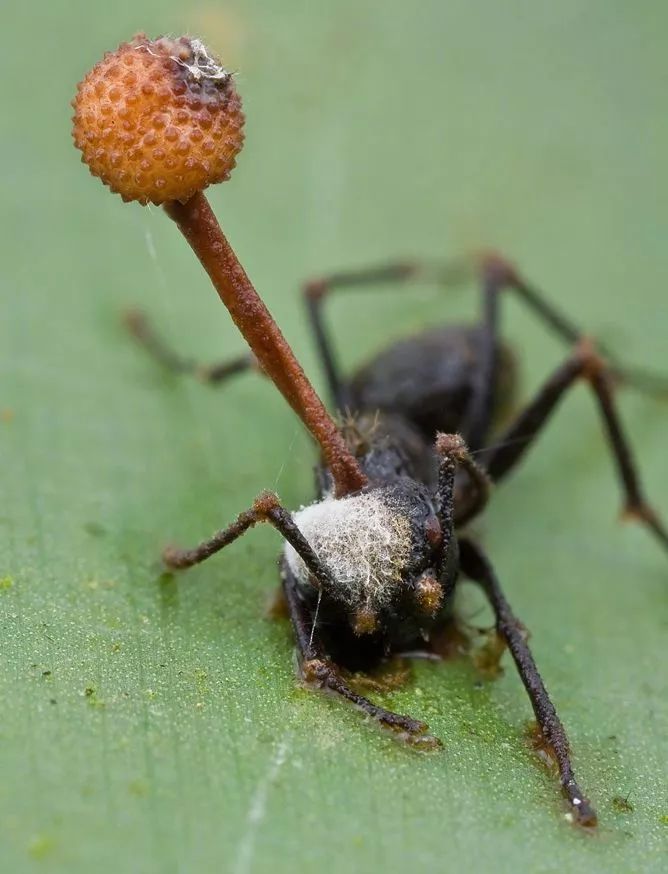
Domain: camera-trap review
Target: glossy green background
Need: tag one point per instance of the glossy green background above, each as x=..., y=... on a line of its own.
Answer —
x=374, y=129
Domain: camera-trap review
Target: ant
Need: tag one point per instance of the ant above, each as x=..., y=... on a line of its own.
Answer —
x=370, y=568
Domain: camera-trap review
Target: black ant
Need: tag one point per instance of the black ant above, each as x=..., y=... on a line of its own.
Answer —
x=370, y=568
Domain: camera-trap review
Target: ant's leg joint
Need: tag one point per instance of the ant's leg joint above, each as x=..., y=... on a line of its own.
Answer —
x=640, y=513
x=593, y=363
x=451, y=446
x=497, y=269
x=134, y=320
x=266, y=503
x=315, y=289
x=316, y=672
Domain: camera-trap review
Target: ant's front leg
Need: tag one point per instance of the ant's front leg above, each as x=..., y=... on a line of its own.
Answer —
x=142, y=330
x=320, y=672
x=266, y=508
x=477, y=567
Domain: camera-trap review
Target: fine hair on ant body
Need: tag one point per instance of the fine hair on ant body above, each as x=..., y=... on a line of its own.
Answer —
x=370, y=568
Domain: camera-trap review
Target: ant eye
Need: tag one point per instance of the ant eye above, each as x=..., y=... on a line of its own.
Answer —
x=433, y=532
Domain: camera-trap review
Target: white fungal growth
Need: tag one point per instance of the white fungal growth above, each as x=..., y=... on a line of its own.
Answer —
x=363, y=541
x=203, y=65
x=192, y=54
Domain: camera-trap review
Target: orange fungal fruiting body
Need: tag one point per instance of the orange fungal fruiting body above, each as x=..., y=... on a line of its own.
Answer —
x=158, y=120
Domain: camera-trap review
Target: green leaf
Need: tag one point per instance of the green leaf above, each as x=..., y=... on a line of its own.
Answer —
x=155, y=724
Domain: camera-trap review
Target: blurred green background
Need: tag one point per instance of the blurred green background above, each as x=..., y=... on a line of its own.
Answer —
x=158, y=727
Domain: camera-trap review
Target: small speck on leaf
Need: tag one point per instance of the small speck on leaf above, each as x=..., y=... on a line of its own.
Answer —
x=621, y=804
x=95, y=529
x=138, y=788
x=90, y=694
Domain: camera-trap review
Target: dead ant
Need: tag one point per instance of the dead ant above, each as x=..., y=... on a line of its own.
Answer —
x=373, y=572
x=371, y=567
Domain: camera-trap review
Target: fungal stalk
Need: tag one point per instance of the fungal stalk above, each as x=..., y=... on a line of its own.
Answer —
x=158, y=121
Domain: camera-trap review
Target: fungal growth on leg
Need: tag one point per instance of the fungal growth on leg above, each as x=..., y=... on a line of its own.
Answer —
x=370, y=568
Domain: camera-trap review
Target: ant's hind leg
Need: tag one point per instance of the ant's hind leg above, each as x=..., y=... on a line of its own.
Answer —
x=584, y=363
x=477, y=567
x=142, y=330
x=638, y=378
x=319, y=672
x=497, y=275
x=482, y=404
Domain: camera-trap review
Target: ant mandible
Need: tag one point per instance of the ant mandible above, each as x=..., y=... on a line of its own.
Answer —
x=370, y=568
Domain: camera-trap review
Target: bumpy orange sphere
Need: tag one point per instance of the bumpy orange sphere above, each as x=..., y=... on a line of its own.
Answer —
x=158, y=120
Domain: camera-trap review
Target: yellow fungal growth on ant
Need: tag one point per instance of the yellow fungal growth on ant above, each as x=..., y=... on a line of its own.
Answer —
x=158, y=120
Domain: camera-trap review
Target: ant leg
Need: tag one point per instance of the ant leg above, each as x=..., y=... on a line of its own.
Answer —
x=498, y=273
x=584, y=363
x=477, y=567
x=641, y=380
x=141, y=329
x=316, y=290
x=481, y=407
x=319, y=671
x=266, y=508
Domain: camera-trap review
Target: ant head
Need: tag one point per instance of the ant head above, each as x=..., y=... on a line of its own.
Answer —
x=382, y=548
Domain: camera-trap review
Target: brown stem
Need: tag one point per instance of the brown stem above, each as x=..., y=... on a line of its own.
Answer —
x=200, y=227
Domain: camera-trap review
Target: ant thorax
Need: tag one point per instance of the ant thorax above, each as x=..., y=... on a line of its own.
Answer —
x=372, y=544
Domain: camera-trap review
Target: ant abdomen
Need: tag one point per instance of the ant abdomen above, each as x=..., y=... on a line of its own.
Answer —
x=429, y=379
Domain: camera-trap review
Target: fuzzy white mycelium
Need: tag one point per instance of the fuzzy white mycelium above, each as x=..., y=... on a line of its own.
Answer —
x=363, y=541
